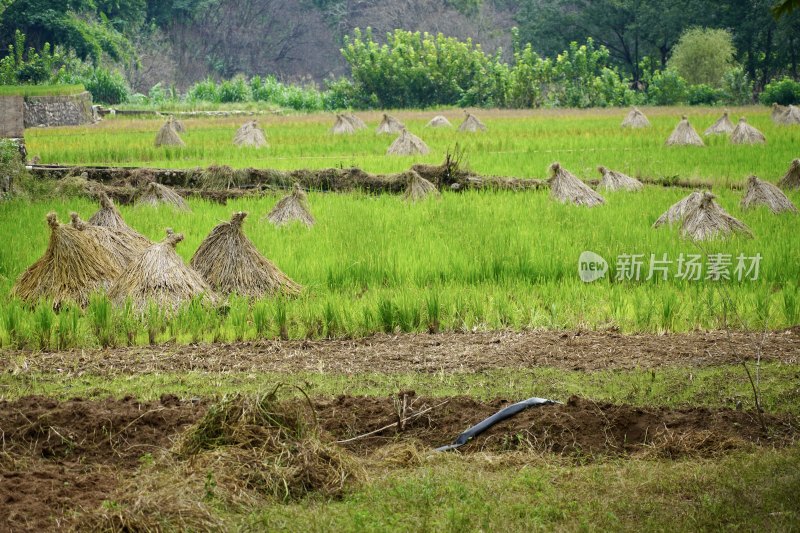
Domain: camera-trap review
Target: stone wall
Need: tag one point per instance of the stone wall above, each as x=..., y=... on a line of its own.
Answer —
x=58, y=110
x=12, y=122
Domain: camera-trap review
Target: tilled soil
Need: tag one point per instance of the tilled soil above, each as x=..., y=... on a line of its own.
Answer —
x=61, y=457
x=446, y=352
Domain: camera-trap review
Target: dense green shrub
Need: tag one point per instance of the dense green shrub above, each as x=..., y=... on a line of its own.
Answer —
x=667, y=88
x=235, y=90
x=783, y=92
x=704, y=95
x=737, y=87
x=107, y=86
x=203, y=91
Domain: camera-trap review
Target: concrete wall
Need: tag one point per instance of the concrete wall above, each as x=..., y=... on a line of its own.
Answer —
x=12, y=121
x=58, y=110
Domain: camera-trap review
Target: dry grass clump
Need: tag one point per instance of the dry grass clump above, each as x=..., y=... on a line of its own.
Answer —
x=389, y=124
x=439, y=121
x=566, y=187
x=617, y=181
x=159, y=275
x=471, y=124
x=761, y=192
x=273, y=448
x=230, y=263
x=79, y=185
x=777, y=113
x=343, y=126
x=408, y=144
x=109, y=217
x=708, y=220
x=177, y=124
x=684, y=135
x=419, y=188
x=156, y=194
x=220, y=177
x=790, y=116
x=357, y=123
x=744, y=133
x=168, y=136
x=250, y=135
x=722, y=126
x=791, y=180
x=635, y=119
x=292, y=208
x=120, y=247
x=71, y=269
x=679, y=209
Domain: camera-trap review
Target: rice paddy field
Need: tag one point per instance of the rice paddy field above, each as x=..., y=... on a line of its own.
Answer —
x=416, y=321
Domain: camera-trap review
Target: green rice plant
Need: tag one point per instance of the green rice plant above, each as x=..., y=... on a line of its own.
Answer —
x=434, y=310
x=261, y=319
x=670, y=307
x=43, y=322
x=127, y=322
x=238, y=315
x=387, y=315
x=68, y=327
x=101, y=314
x=13, y=323
x=791, y=309
x=331, y=322
x=281, y=319
x=155, y=322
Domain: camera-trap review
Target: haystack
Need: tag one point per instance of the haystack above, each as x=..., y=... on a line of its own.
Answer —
x=389, y=124
x=79, y=185
x=177, y=124
x=722, y=126
x=167, y=136
x=761, y=192
x=565, y=187
x=407, y=144
x=777, y=113
x=71, y=269
x=790, y=117
x=108, y=217
x=617, y=181
x=791, y=180
x=230, y=263
x=159, y=275
x=471, y=124
x=343, y=126
x=250, y=135
x=120, y=247
x=678, y=211
x=439, y=121
x=684, y=134
x=357, y=123
x=707, y=220
x=221, y=177
x=635, y=119
x=291, y=208
x=746, y=134
x=156, y=194
x=419, y=188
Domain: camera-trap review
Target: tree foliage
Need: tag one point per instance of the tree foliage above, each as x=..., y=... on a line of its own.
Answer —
x=703, y=55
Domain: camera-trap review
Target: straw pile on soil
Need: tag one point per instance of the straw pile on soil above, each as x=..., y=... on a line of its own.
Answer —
x=220, y=177
x=177, y=124
x=342, y=126
x=746, y=134
x=357, y=123
x=471, y=124
x=230, y=263
x=678, y=211
x=79, y=185
x=389, y=124
x=635, y=119
x=71, y=269
x=291, y=208
x=407, y=144
x=722, y=126
x=707, y=220
x=159, y=275
x=791, y=116
x=108, y=217
x=617, y=181
x=438, y=121
x=168, y=136
x=156, y=194
x=684, y=134
x=419, y=188
x=120, y=247
x=760, y=192
x=777, y=113
x=791, y=180
x=565, y=187
x=250, y=135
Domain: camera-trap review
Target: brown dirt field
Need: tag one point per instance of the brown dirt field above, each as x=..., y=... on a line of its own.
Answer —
x=446, y=352
x=62, y=457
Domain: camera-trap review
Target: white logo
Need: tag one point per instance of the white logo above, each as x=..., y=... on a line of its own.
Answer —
x=591, y=267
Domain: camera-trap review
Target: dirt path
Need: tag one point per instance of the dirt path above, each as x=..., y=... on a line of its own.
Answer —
x=449, y=352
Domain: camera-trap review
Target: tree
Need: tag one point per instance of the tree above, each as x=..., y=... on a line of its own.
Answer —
x=703, y=55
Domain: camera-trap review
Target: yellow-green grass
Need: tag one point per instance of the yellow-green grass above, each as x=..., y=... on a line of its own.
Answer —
x=40, y=90
x=518, y=143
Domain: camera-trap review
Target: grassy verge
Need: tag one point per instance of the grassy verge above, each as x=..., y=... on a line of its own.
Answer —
x=40, y=90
